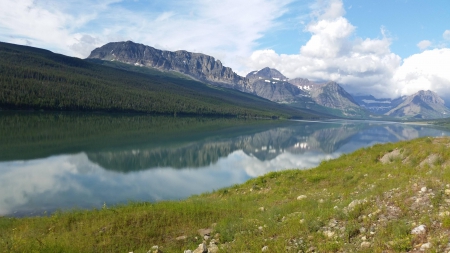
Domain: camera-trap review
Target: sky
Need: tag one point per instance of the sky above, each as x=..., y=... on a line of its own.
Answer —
x=386, y=48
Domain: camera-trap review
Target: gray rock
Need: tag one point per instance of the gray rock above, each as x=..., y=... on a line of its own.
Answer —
x=202, y=248
x=365, y=245
x=419, y=230
x=425, y=246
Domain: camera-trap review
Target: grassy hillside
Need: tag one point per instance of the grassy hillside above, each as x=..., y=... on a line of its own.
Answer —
x=32, y=78
x=386, y=198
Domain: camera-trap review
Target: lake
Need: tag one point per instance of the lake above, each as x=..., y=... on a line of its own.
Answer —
x=51, y=161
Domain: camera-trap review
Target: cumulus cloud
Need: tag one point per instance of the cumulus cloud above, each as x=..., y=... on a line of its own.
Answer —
x=225, y=29
x=446, y=35
x=424, y=44
x=335, y=53
x=362, y=65
x=425, y=71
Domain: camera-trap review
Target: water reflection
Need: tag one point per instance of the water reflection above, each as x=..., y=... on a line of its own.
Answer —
x=86, y=161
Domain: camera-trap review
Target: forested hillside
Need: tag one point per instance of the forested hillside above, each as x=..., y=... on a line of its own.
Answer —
x=32, y=78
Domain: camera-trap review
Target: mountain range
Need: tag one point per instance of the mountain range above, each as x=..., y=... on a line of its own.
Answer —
x=326, y=98
x=131, y=77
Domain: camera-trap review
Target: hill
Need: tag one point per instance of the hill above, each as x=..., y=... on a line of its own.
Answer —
x=32, y=78
x=386, y=198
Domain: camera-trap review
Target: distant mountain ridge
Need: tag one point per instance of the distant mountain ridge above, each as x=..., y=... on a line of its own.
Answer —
x=322, y=97
x=302, y=93
x=421, y=105
x=199, y=66
x=378, y=105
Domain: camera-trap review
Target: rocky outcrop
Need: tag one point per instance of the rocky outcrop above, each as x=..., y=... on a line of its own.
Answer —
x=198, y=66
x=421, y=105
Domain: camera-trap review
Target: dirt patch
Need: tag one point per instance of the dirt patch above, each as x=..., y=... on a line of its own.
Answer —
x=391, y=156
x=430, y=160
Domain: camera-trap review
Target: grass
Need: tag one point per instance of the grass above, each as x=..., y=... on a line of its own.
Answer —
x=354, y=203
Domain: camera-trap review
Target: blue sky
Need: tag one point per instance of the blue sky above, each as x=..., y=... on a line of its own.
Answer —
x=385, y=47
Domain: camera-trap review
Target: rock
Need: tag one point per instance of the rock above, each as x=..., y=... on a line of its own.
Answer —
x=155, y=249
x=423, y=189
x=365, y=245
x=328, y=233
x=188, y=251
x=447, y=192
x=265, y=249
x=262, y=209
x=179, y=238
x=419, y=230
x=311, y=249
x=213, y=248
x=355, y=203
x=202, y=248
x=425, y=246
x=301, y=197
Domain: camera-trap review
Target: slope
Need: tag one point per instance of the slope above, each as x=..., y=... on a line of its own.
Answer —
x=386, y=198
x=32, y=78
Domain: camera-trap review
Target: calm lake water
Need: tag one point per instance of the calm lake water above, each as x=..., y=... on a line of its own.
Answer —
x=54, y=162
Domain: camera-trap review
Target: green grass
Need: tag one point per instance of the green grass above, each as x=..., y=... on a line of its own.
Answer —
x=383, y=212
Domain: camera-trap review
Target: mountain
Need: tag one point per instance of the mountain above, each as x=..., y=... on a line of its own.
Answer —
x=378, y=105
x=331, y=95
x=421, y=105
x=32, y=78
x=271, y=84
x=199, y=66
x=266, y=83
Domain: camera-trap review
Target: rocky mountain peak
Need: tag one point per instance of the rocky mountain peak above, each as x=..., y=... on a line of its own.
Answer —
x=196, y=65
x=267, y=73
x=429, y=96
x=421, y=105
x=333, y=95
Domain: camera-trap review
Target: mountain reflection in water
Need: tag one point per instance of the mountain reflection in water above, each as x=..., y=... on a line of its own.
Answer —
x=62, y=161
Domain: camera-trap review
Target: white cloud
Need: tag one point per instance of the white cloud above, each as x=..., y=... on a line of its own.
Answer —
x=425, y=71
x=225, y=29
x=424, y=44
x=446, y=35
x=361, y=65
x=335, y=53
